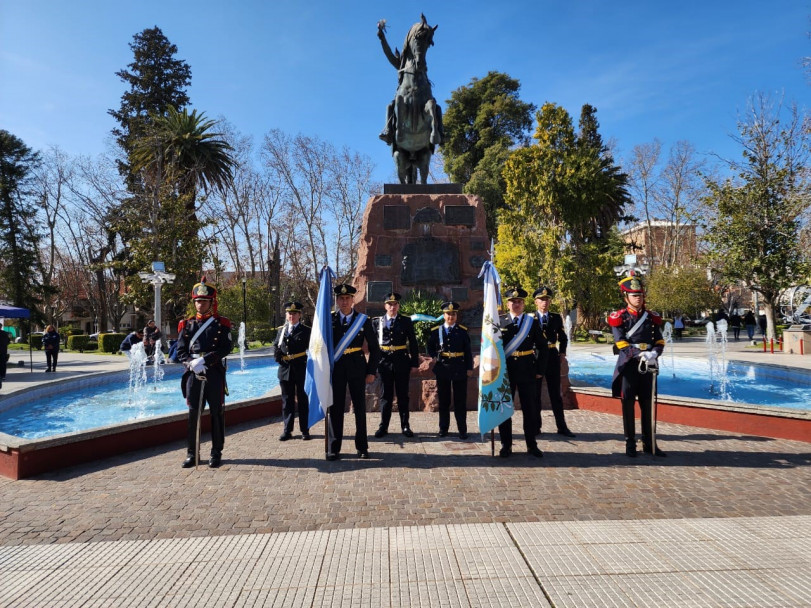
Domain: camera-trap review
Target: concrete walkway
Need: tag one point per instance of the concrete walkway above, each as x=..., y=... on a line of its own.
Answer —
x=722, y=521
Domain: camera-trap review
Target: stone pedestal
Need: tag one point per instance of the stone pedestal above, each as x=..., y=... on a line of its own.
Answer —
x=427, y=237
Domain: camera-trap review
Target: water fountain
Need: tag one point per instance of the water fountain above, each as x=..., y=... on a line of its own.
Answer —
x=567, y=327
x=241, y=342
x=667, y=334
x=157, y=362
x=138, y=359
x=716, y=342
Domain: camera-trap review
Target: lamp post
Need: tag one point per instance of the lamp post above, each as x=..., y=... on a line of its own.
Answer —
x=158, y=277
x=630, y=264
x=244, y=300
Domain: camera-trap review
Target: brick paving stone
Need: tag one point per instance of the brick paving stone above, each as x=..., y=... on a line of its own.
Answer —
x=265, y=486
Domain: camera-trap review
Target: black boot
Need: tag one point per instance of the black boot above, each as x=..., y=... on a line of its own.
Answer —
x=630, y=448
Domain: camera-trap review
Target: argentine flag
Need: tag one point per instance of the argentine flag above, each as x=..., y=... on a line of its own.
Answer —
x=318, y=381
x=495, y=397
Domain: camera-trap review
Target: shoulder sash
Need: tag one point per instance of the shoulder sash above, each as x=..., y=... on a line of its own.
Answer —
x=518, y=339
x=350, y=334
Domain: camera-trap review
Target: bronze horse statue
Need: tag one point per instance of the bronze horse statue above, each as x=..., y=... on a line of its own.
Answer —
x=414, y=118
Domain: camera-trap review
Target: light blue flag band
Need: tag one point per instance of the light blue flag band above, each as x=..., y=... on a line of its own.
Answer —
x=318, y=380
x=495, y=397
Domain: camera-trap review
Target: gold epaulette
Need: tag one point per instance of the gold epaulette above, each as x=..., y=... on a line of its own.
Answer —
x=436, y=327
x=462, y=326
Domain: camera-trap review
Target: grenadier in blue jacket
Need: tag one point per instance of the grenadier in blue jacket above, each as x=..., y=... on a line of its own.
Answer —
x=203, y=343
x=638, y=338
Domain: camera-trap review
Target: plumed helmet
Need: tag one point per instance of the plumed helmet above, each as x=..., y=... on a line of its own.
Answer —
x=203, y=291
x=632, y=284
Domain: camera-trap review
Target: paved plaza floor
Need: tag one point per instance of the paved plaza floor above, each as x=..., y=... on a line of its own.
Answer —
x=723, y=520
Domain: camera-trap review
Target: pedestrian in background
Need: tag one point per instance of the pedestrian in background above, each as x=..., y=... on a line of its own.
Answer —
x=50, y=343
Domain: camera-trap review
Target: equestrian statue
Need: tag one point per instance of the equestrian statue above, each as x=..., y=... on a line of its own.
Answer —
x=414, y=118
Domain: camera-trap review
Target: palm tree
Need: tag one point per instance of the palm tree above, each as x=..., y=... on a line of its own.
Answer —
x=181, y=151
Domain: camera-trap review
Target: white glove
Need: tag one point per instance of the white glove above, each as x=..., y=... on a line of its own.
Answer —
x=650, y=356
x=198, y=366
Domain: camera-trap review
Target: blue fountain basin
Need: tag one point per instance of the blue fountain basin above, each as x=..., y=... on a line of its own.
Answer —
x=108, y=400
x=689, y=378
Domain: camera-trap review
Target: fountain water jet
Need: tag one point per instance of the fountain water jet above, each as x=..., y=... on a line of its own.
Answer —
x=138, y=359
x=667, y=334
x=241, y=342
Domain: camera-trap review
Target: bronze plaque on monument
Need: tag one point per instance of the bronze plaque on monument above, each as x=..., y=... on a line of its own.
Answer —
x=396, y=217
x=376, y=291
x=430, y=261
x=460, y=215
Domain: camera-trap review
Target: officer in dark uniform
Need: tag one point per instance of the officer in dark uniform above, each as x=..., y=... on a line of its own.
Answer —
x=449, y=344
x=203, y=342
x=552, y=326
x=291, y=355
x=351, y=371
x=524, y=366
x=399, y=353
x=637, y=336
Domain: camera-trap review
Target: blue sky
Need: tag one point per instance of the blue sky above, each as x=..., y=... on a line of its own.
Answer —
x=675, y=70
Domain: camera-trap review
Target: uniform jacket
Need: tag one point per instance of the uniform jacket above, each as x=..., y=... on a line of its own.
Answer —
x=130, y=341
x=50, y=341
x=401, y=333
x=355, y=364
x=455, y=341
x=554, y=331
x=647, y=338
x=214, y=343
x=525, y=368
x=296, y=343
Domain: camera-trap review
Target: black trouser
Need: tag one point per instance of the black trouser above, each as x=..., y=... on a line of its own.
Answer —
x=293, y=391
x=636, y=386
x=529, y=407
x=443, y=389
x=394, y=378
x=50, y=357
x=736, y=332
x=214, y=395
x=552, y=378
x=357, y=393
x=3, y=364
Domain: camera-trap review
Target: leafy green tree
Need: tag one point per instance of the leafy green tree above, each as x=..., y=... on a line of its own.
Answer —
x=157, y=80
x=564, y=198
x=180, y=149
x=672, y=289
x=19, y=235
x=483, y=122
x=755, y=225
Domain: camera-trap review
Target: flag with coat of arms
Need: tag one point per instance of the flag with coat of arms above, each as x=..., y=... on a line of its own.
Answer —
x=495, y=397
x=318, y=380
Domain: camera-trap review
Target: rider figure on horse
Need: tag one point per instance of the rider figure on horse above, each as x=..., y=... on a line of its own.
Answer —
x=413, y=118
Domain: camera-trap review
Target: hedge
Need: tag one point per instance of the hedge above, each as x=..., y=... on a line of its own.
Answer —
x=109, y=343
x=78, y=343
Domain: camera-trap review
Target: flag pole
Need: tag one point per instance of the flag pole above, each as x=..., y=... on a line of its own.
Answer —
x=492, y=431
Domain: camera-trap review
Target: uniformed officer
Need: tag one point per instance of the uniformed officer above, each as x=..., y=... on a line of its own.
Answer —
x=638, y=337
x=203, y=342
x=291, y=355
x=526, y=352
x=552, y=326
x=399, y=353
x=449, y=345
x=351, y=369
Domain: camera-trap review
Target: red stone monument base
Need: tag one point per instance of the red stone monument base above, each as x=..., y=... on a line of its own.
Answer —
x=423, y=397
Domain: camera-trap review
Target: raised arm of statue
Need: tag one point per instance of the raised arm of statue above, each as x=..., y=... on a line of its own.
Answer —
x=394, y=58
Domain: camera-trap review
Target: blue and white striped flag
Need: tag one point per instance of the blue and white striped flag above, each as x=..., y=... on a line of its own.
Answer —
x=495, y=397
x=318, y=381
